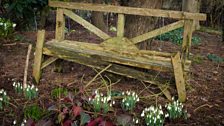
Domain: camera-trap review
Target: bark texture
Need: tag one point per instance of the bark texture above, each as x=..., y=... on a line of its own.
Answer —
x=194, y=7
x=137, y=25
x=98, y=19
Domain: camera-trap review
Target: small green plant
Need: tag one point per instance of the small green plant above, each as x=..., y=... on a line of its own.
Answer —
x=153, y=116
x=18, y=87
x=6, y=27
x=58, y=92
x=215, y=58
x=4, y=99
x=175, y=110
x=101, y=102
x=176, y=37
x=129, y=101
x=34, y=112
x=30, y=92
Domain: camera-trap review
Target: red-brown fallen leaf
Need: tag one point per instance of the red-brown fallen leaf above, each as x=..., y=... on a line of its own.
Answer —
x=67, y=123
x=95, y=121
x=76, y=110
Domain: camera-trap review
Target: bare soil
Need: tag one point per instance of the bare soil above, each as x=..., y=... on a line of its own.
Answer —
x=205, y=89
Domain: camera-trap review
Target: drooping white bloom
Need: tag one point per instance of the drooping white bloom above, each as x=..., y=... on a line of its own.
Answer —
x=14, y=25
x=14, y=122
x=1, y=99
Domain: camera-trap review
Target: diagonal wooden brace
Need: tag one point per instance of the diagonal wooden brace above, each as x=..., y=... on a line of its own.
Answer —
x=38, y=55
x=179, y=77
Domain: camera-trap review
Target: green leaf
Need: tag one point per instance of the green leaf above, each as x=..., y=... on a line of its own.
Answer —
x=84, y=118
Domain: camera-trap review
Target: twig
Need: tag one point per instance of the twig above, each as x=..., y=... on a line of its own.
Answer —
x=26, y=67
x=202, y=107
x=98, y=75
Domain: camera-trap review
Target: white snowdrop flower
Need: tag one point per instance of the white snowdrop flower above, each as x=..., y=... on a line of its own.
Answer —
x=22, y=124
x=32, y=86
x=108, y=98
x=96, y=92
x=14, y=25
x=155, y=121
x=136, y=121
x=122, y=93
x=127, y=104
x=14, y=122
x=101, y=94
x=113, y=102
x=142, y=114
x=110, y=105
x=4, y=93
x=1, y=99
x=123, y=100
x=14, y=84
x=89, y=99
x=36, y=89
x=27, y=89
x=1, y=91
x=160, y=107
x=166, y=115
x=1, y=23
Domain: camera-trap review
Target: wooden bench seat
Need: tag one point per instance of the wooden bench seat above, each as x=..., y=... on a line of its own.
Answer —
x=73, y=50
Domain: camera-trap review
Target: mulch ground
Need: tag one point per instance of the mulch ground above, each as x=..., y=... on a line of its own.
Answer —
x=205, y=89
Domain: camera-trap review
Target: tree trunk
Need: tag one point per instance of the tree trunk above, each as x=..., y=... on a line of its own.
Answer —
x=98, y=19
x=194, y=7
x=137, y=25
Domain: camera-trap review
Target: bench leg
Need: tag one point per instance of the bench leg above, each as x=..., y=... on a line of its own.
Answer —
x=179, y=77
x=38, y=55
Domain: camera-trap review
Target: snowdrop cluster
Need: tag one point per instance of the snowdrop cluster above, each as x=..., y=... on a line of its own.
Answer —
x=101, y=102
x=18, y=87
x=153, y=116
x=175, y=110
x=24, y=122
x=30, y=92
x=6, y=27
x=4, y=99
x=129, y=101
x=135, y=120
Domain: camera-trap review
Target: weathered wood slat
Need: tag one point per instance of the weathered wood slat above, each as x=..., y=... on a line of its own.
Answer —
x=179, y=77
x=38, y=55
x=120, y=25
x=157, y=32
x=48, y=62
x=136, y=59
x=86, y=24
x=128, y=10
x=60, y=25
x=187, y=36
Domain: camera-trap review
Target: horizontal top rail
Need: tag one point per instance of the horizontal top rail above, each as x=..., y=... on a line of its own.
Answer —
x=128, y=10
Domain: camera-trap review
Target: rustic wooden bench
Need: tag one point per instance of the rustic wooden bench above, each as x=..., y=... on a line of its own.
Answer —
x=119, y=52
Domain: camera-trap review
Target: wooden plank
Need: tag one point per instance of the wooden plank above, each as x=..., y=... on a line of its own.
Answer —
x=135, y=58
x=120, y=25
x=115, y=68
x=38, y=55
x=86, y=24
x=179, y=77
x=187, y=36
x=128, y=10
x=158, y=31
x=48, y=62
x=60, y=25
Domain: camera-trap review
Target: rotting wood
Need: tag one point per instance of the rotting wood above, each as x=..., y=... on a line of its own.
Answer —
x=187, y=36
x=101, y=64
x=125, y=58
x=128, y=10
x=157, y=32
x=132, y=58
x=38, y=55
x=179, y=77
x=86, y=24
x=120, y=25
x=60, y=25
x=48, y=62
